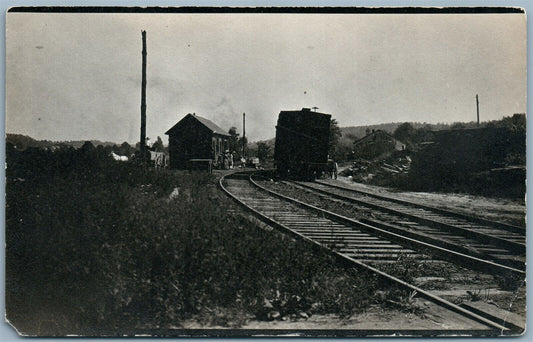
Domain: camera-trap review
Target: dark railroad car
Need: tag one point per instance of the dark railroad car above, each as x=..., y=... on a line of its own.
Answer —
x=196, y=141
x=302, y=141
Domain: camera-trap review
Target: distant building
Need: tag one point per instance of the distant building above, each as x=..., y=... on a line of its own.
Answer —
x=474, y=149
x=488, y=161
x=195, y=138
x=375, y=144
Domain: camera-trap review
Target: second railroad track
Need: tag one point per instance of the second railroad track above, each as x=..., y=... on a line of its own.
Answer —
x=361, y=243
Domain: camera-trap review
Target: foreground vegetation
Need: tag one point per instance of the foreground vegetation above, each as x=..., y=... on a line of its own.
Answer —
x=98, y=247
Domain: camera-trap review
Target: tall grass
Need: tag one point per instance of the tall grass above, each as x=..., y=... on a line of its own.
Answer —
x=97, y=247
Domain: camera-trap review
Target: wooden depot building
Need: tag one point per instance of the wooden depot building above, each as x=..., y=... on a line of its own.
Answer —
x=195, y=141
x=376, y=143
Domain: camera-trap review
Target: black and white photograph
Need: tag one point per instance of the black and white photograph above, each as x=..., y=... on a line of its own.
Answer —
x=265, y=171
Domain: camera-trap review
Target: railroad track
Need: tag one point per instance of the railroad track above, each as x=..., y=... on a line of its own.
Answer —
x=498, y=242
x=357, y=243
x=449, y=213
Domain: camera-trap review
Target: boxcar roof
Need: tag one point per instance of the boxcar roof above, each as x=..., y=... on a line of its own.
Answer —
x=207, y=123
x=303, y=110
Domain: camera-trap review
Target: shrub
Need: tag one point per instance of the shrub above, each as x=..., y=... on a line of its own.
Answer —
x=100, y=248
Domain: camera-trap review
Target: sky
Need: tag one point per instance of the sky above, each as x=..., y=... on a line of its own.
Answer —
x=78, y=76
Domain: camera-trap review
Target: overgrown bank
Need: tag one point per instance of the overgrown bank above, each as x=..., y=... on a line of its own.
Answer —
x=97, y=247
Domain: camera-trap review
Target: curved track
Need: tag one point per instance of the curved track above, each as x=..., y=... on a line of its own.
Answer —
x=498, y=242
x=355, y=242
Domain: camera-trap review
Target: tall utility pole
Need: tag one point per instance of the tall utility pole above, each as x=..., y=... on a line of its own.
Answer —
x=243, y=133
x=143, y=102
x=477, y=106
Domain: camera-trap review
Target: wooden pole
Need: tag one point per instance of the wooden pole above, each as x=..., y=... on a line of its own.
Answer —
x=143, y=101
x=243, y=133
x=477, y=106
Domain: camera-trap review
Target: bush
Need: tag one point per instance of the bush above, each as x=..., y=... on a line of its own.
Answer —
x=98, y=247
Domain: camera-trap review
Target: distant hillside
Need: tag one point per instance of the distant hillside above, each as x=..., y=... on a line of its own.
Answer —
x=360, y=131
x=79, y=143
x=355, y=132
x=352, y=133
x=22, y=142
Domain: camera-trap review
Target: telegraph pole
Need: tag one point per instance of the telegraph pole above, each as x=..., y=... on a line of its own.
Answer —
x=477, y=106
x=243, y=133
x=143, y=102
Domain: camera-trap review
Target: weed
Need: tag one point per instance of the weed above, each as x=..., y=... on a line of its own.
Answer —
x=475, y=295
x=510, y=282
x=99, y=248
x=404, y=301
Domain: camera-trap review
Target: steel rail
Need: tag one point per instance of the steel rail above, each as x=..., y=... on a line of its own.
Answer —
x=438, y=241
x=514, y=247
x=495, y=224
x=464, y=259
x=500, y=329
